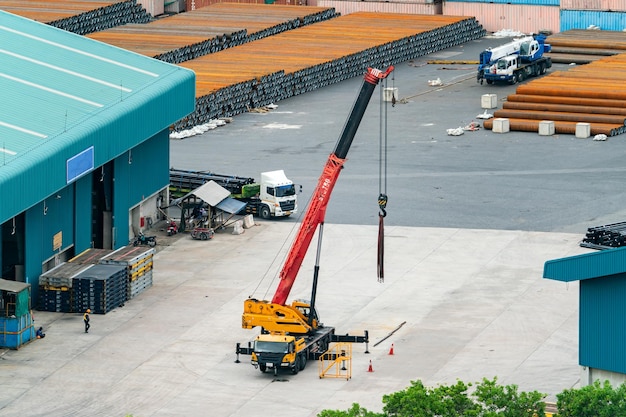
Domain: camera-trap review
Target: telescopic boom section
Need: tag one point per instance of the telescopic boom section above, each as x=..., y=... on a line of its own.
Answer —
x=317, y=207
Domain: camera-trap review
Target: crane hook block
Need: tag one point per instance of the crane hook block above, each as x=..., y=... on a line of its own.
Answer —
x=382, y=203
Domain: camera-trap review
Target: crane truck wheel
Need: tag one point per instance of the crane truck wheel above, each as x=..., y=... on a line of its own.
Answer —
x=489, y=81
x=542, y=68
x=263, y=367
x=302, y=362
x=265, y=212
x=296, y=367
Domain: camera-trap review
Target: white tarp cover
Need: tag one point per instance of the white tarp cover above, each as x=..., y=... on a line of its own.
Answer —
x=211, y=193
x=216, y=196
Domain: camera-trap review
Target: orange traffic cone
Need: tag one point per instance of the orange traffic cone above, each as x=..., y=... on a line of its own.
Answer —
x=391, y=350
x=370, y=369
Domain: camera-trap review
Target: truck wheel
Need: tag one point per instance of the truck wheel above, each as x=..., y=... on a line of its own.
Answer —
x=489, y=81
x=204, y=236
x=265, y=212
x=263, y=367
x=302, y=362
x=542, y=68
x=514, y=79
x=296, y=367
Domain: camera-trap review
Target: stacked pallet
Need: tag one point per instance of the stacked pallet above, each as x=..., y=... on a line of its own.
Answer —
x=258, y=73
x=99, y=279
x=138, y=264
x=100, y=288
x=55, y=287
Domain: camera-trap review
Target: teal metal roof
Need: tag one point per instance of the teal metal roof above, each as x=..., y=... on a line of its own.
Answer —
x=64, y=93
x=586, y=266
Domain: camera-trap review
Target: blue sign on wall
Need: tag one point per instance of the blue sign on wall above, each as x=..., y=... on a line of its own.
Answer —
x=79, y=165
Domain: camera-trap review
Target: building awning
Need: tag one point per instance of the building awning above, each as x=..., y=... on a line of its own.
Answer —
x=215, y=196
x=586, y=266
x=231, y=205
x=211, y=193
x=12, y=286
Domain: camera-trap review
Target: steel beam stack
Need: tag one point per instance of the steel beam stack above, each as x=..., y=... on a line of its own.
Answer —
x=137, y=263
x=55, y=287
x=266, y=71
x=99, y=279
x=605, y=237
x=100, y=288
x=183, y=182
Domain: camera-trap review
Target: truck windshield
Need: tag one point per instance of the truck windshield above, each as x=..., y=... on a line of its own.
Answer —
x=271, y=347
x=503, y=64
x=285, y=190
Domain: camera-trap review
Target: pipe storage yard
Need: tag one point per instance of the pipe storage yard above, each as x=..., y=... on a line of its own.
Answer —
x=79, y=17
x=594, y=93
x=190, y=35
x=259, y=73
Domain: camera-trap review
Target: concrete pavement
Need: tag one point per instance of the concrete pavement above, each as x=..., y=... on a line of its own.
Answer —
x=474, y=304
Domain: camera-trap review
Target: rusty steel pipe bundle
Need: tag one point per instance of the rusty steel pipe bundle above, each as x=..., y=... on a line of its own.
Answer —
x=548, y=88
x=210, y=29
x=563, y=127
x=560, y=116
x=598, y=102
x=567, y=108
x=337, y=50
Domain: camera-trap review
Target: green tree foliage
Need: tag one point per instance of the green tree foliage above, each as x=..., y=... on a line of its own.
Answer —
x=487, y=400
x=596, y=400
x=355, y=411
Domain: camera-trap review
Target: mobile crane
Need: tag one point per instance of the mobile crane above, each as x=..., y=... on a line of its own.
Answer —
x=292, y=334
x=515, y=61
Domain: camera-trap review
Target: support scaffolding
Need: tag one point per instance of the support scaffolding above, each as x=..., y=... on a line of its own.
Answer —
x=336, y=362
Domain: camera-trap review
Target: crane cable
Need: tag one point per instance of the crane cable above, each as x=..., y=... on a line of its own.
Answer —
x=382, y=180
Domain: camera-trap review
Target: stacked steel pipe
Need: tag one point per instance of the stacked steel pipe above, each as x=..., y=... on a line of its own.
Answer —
x=605, y=237
x=594, y=93
x=193, y=34
x=584, y=46
x=81, y=17
x=268, y=70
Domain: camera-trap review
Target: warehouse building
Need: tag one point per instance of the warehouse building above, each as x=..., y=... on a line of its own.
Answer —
x=602, y=312
x=84, y=148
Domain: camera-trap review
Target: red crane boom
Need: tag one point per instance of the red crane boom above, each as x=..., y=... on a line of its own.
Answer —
x=317, y=207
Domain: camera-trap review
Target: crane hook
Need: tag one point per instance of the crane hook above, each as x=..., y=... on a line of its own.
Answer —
x=382, y=204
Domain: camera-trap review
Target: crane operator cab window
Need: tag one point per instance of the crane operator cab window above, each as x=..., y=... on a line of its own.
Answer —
x=524, y=49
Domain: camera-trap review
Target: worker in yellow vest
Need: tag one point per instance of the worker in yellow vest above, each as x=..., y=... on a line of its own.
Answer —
x=86, y=320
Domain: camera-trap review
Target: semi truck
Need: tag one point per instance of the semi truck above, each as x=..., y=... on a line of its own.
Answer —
x=274, y=196
x=292, y=334
x=514, y=61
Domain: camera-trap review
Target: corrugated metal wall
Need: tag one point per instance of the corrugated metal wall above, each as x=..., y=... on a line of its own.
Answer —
x=347, y=7
x=132, y=184
x=526, y=2
x=54, y=216
x=495, y=17
x=602, y=311
x=614, y=5
x=582, y=19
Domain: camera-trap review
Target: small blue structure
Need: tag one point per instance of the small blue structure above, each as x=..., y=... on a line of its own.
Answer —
x=602, y=312
x=16, y=321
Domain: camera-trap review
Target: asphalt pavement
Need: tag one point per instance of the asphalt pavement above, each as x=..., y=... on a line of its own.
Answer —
x=471, y=221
